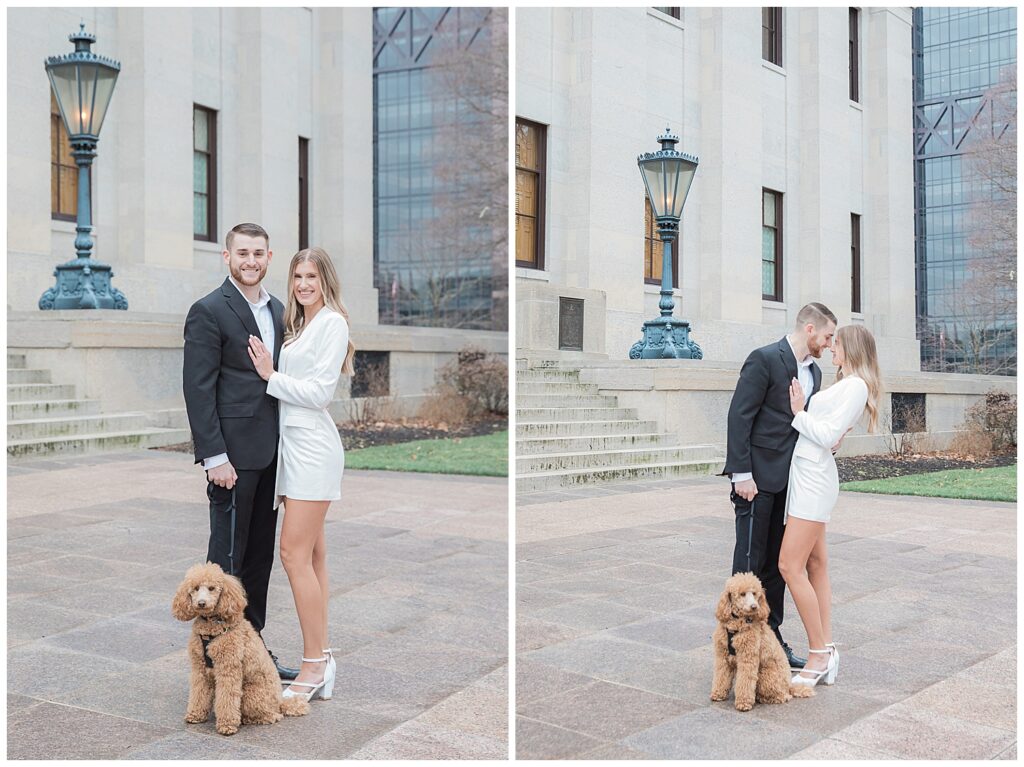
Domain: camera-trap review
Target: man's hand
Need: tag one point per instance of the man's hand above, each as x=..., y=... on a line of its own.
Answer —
x=746, y=489
x=223, y=475
x=835, y=447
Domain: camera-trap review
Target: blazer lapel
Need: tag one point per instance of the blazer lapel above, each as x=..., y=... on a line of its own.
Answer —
x=277, y=313
x=788, y=358
x=816, y=374
x=240, y=307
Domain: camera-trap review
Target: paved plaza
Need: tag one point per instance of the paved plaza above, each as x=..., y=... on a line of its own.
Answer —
x=97, y=668
x=616, y=589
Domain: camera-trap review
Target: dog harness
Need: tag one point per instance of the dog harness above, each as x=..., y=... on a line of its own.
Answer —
x=731, y=634
x=207, y=639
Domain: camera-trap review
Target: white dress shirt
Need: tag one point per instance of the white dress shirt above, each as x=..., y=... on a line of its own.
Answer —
x=265, y=321
x=806, y=378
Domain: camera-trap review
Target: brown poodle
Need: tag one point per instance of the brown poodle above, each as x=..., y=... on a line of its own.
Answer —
x=231, y=669
x=746, y=649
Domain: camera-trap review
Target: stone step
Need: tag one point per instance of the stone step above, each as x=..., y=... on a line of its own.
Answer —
x=96, y=443
x=25, y=411
x=555, y=480
x=39, y=392
x=546, y=414
x=548, y=375
x=561, y=388
x=597, y=459
x=43, y=428
x=15, y=361
x=547, y=445
x=593, y=428
x=528, y=401
x=25, y=376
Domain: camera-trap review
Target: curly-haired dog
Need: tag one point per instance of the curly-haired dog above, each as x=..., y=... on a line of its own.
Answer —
x=231, y=669
x=746, y=649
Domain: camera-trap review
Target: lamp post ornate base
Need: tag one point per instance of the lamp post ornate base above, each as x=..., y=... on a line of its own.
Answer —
x=83, y=284
x=666, y=338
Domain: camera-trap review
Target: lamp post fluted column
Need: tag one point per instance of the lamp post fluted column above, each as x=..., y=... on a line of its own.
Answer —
x=83, y=84
x=667, y=175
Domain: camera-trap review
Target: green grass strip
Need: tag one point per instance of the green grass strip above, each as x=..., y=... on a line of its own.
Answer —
x=485, y=456
x=998, y=484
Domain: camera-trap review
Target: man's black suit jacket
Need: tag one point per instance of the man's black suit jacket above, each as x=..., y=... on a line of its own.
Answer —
x=761, y=436
x=229, y=410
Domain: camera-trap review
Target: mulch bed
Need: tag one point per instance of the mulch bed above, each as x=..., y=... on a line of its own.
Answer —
x=357, y=437
x=863, y=467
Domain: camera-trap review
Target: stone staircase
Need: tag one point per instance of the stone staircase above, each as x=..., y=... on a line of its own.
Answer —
x=567, y=434
x=45, y=419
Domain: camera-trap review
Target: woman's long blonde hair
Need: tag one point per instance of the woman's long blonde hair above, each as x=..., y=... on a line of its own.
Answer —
x=861, y=360
x=294, y=314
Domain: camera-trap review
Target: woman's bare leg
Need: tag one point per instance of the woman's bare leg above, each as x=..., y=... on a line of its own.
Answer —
x=797, y=544
x=320, y=570
x=817, y=574
x=303, y=524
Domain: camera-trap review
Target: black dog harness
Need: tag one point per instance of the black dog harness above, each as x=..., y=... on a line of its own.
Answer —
x=731, y=634
x=207, y=639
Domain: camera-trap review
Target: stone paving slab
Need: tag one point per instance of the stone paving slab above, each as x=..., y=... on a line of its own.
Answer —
x=98, y=668
x=616, y=593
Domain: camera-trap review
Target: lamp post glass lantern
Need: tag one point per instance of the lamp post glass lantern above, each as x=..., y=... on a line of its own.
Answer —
x=83, y=84
x=667, y=175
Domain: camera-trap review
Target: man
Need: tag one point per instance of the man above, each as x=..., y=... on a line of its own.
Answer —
x=760, y=447
x=234, y=422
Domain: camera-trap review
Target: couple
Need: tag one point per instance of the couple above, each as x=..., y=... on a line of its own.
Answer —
x=258, y=377
x=783, y=436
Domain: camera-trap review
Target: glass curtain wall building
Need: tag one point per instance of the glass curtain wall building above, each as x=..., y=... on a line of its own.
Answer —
x=434, y=238
x=964, y=89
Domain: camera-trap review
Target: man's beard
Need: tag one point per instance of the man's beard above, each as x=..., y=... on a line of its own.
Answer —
x=813, y=349
x=237, y=274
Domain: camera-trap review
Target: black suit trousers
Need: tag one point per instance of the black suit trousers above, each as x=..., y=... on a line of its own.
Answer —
x=254, y=535
x=760, y=525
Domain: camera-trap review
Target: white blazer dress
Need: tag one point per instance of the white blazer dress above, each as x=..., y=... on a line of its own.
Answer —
x=813, y=477
x=310, y=457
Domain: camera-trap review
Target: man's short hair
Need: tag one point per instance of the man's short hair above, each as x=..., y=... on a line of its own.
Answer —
x=251, y=230
x=816, y=314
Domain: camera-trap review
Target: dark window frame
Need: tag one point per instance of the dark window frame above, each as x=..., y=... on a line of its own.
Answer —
x=672, y=12
x=303, y=193
x=59, y=134
x=855, y=263
x=541, y=173
x=855, y=55
x=651, y=237
x=211, y=174
x=771, y=35
x=906, y=406
x=778, y=295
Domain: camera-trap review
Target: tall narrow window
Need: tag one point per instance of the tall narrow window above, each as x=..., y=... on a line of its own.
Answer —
x=854, y=54
x=63, y=170
x=771, y=35
x=771, y=245
x=303, y=193
x=204, y=174
x=654, y=250
x=675, y=12
x=855, y=262
x=530, y=150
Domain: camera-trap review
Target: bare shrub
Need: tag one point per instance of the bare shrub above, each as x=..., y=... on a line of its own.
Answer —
x=971, y=442
x=903, y=429
x=995, y=418
x=444, y=408
x=370, y=410
x=479, y=378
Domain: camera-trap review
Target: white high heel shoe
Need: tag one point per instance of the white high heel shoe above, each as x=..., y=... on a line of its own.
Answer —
x=324, y=687
x=819, y=674
x=833, y=664
x=332, y=671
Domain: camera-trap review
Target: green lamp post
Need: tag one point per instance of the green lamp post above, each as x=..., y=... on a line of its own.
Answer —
x=667, y=175
x=83, y=83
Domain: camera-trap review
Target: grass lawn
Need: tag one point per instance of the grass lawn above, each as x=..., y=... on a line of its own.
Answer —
x=998, y=484
x=483, y=456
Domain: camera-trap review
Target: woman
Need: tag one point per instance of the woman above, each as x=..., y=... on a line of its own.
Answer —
x=310, y=457
x=814, y=489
